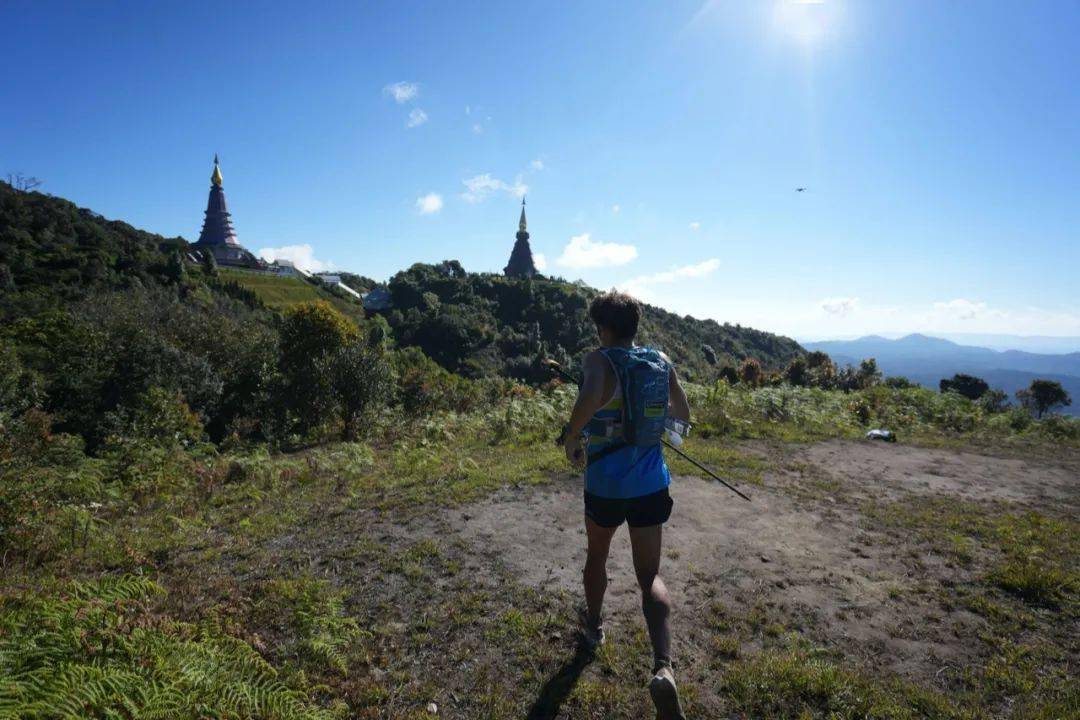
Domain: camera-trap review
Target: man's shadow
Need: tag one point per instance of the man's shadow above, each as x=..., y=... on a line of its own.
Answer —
x=559, y=686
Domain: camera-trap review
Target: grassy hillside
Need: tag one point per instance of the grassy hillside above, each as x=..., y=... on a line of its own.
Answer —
x=280, y=293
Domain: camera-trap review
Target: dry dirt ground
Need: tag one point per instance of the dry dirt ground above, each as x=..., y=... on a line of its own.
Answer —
x=472, y=607
x=805, y=555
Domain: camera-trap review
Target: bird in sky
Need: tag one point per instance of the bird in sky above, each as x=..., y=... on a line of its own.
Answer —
x=800, y=189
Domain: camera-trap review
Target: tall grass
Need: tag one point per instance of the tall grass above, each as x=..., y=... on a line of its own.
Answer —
x=800, y=413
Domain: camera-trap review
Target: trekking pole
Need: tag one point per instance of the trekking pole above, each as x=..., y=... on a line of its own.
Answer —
x=559, y=369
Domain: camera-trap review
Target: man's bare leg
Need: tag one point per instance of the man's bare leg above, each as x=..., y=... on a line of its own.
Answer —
x=646, y=544
x=595, y=574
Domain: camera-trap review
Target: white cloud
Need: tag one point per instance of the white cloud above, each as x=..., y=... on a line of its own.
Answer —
x=302, y=256
x=642, y=286
x=479, y=187
x=429, y=204
x=537, y=164
x=477, y=129
x=961, y=309
x=581, y=252
x=840, y=306
x=402, y=92
x=705, y=267
x=417, y=117
x=615, y=208
x=540, y=261
x=849, y=316
x=695, y=225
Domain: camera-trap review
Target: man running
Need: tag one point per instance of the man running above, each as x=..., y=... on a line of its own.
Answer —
x=625, y=482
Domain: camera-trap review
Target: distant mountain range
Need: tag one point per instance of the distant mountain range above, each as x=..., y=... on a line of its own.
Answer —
x=1048, y=344
x=1027, y=343
x=926, y=360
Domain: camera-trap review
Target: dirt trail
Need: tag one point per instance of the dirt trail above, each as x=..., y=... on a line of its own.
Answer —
x=807, y=560
x=440, y=589
x=893, y=469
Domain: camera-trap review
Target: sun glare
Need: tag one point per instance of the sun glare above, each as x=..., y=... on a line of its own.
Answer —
x=805, y=21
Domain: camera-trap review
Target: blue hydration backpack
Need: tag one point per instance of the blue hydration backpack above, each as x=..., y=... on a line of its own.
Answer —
x=643, y=376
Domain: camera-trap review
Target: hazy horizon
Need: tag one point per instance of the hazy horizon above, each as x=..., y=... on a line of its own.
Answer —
x=1042, y=344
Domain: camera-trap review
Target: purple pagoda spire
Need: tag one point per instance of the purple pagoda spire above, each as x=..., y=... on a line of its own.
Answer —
x=218, y=238
x=217, y=227
x=521, y=259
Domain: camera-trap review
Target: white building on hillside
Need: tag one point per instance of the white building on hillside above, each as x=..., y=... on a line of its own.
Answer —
x=286, y=267
x=335, y=280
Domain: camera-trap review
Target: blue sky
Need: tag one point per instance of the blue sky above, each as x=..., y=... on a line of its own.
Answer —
x=659, y=143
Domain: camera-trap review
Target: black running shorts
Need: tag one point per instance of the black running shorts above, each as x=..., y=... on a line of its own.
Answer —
x=643, y=511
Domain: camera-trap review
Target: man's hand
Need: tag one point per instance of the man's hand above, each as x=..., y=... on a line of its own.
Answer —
x=575, y=454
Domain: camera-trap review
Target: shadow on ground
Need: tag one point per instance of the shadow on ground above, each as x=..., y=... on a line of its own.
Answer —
x=559, y=686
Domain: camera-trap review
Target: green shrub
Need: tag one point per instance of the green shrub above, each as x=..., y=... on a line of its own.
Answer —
x=47, y=489
x=311, y=334
x=360, y=382
x=1035, y=581
x=320, y=634
x=159, y=415
x=796, y=683
x=424, y=387
x=969, y=386
x=1060, y=427
x=19, y=388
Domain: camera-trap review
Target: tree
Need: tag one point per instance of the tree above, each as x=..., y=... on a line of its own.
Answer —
x=821, y=369
x=19, y=388
x=310, y=334
x=994, y=401
x=729, y=374
x=969, y=386
x=175, y=269
x=868, y=374
x=209, y=264
x=898, y=382
x=797, y=373
x=1042, y=396
x=23, y=182
x=750, y=372
x=361, y=381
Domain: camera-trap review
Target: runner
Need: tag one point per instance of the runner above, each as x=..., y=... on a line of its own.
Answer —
x=615, y=432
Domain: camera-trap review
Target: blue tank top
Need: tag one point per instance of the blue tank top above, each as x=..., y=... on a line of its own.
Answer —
x=629, y=471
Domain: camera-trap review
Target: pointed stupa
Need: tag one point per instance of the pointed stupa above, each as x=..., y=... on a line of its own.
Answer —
x=218, y=237
x=217, y=227
x=521, y=260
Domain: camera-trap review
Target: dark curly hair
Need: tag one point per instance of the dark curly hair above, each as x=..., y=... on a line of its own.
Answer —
x=617, y=312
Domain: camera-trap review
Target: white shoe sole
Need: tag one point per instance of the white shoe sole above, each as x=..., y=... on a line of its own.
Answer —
x=666, y=699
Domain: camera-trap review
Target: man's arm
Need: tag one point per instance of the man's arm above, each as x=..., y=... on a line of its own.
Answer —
x=678, y=405
x=589, y=400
